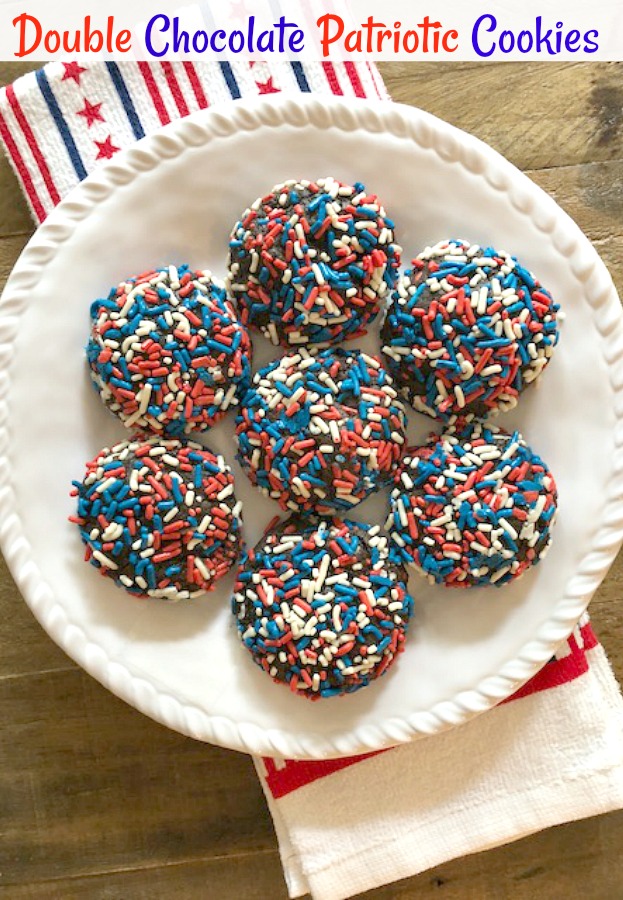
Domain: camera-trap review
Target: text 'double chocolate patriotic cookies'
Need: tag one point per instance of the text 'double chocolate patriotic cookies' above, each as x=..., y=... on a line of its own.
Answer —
x=320, y=606
x=321, y=432
x=474, y=506
x=310, y=262
x=159, y=517
x=167, y=353
x=467, y=329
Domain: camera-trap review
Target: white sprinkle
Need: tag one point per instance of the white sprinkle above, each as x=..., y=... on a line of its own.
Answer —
x=227, y=491
x=104, y=560
x=105, y=485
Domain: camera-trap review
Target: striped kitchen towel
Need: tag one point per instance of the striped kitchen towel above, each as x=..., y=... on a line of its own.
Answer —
x=61, y=122
x=553, y=754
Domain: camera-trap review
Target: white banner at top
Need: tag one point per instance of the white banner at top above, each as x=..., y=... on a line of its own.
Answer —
x=312, y=29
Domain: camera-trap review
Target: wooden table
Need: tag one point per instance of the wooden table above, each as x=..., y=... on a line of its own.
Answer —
x=97, y=801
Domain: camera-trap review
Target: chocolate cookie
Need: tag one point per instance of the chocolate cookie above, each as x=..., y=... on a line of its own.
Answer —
x=323, y=432
x=310, y=262
x=474, y=506
x=320, y=606
x=159, y=517
x=167, y=353
x=467, y=329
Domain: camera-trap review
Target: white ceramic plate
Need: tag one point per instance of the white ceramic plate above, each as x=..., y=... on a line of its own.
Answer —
x=174, y=198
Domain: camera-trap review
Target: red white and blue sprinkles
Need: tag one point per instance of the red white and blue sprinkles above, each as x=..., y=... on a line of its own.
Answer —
x=159, y=517
x=311, y=262
x=320, y=606
x=474, y=506
x=167, y=353
x=467, y=329
x=321, y=432
x=321, y=603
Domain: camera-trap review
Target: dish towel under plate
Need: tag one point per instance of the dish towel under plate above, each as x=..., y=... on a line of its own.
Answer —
x=552, y=754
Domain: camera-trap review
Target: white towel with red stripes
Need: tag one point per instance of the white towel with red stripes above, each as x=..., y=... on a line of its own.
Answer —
x=551, y=754
x=61, y=122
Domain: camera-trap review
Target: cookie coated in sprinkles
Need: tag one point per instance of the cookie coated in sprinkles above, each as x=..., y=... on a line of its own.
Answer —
x=474, y=506
x=321, y=432
x=311, y=262
x=320, y=606
x=159, y=517
x=167, y=353
x=467, y=329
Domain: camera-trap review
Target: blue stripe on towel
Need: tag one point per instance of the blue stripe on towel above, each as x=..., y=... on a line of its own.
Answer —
x=124, y=95
x=61, y=124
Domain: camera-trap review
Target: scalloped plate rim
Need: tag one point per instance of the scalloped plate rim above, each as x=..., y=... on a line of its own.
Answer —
x=403, y=121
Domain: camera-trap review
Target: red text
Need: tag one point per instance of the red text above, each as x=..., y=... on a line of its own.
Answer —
x=84, y=40
x=371, y=36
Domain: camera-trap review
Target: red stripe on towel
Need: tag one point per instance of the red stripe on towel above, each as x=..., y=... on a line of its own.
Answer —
x=22, y=170
x=289, y=775
x=355, y=80
x=174, y=87
x=156, y=97
x=331, y=74
x=32, y=143
x=195, y=83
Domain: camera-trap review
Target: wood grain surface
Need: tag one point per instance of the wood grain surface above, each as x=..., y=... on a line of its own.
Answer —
x=97, y=802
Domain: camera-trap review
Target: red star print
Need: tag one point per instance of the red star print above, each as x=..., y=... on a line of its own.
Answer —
x=91, y=112
x=238, y=10
x=73, y=71
x=106, y=148
x=267, y=87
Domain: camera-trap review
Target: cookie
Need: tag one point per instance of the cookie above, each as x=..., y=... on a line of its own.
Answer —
x=311, y=262
x=167, y=353
x=467, y=329
x=320, y=606
x=159, y=517
x=472, y=507
x=321, y=432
